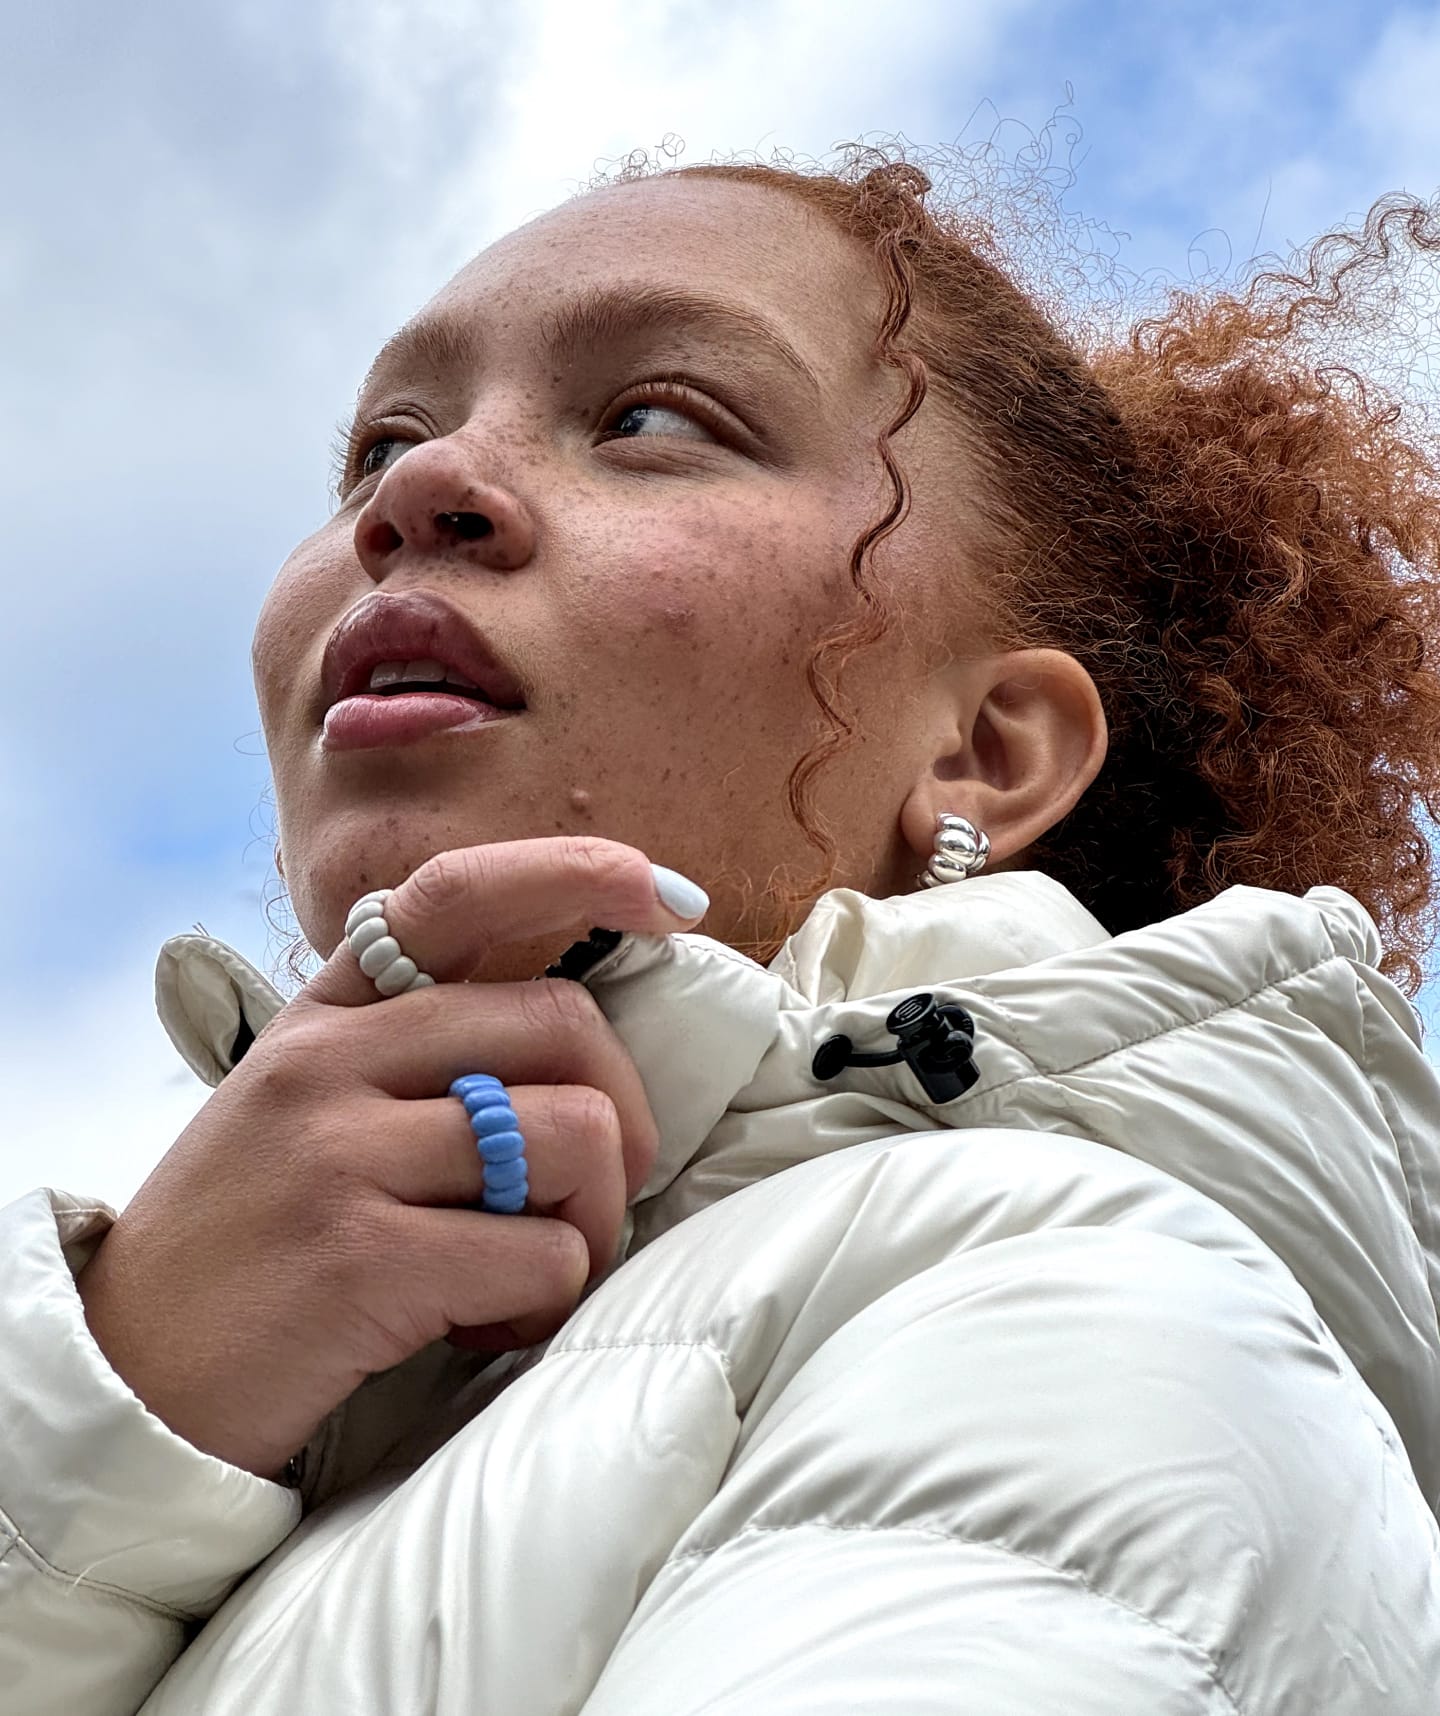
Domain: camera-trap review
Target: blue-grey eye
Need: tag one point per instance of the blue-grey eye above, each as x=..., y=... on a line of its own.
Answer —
x=381, y=454
x=640, y=420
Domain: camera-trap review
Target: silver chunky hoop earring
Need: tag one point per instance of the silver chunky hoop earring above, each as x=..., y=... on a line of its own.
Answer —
x=960, y=851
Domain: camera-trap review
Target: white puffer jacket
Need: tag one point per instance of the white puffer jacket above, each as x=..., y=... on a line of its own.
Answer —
x=1110, y=1387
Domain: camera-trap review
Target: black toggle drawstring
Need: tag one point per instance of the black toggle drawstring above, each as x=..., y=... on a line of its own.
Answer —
x=937, y=1042
x=580, y=956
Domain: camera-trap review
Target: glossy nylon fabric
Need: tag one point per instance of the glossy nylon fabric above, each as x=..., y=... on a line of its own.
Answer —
x=1111, y=1386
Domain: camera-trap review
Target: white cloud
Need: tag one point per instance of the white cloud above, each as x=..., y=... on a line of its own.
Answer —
x=1380, y=132
x=578, y=83
x=1394, y=102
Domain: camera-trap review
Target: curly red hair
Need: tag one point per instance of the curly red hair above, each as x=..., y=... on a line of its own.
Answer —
x=1235, y=533
x=1230, y=523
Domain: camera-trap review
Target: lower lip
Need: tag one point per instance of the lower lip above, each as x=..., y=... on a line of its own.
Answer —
x=366, y=722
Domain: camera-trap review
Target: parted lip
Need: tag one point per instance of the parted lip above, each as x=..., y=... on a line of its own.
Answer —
x=412, y=625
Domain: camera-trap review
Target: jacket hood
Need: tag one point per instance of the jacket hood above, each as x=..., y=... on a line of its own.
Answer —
x=1247, y=1049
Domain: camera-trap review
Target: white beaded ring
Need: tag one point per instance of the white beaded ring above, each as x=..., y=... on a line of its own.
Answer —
x=368, y=934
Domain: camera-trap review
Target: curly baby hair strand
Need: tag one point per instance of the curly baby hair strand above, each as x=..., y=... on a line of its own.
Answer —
x=835, y=648
x=1233, y=527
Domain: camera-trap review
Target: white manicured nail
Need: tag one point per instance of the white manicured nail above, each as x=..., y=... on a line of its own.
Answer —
x=679, y=894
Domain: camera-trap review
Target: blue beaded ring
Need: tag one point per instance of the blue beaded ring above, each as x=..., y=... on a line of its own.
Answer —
x=499, y=1140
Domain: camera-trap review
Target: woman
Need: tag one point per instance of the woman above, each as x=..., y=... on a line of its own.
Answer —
x=1065, y=1341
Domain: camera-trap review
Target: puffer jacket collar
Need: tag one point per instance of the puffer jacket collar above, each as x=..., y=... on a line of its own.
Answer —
x=698, y=1017
x=1231, y=1047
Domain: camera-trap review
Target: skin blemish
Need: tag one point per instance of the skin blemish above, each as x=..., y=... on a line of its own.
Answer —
x=580, y=801
x=677, y=616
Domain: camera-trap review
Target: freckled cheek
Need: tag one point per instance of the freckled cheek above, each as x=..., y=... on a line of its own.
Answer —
x=716, y=603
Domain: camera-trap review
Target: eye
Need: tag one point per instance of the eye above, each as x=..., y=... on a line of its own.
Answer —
x=381, y=454
x=640, y=421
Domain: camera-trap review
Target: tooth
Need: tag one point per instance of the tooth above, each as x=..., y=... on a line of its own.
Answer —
x=428, y=671
x=453, y=676
x=387, y=673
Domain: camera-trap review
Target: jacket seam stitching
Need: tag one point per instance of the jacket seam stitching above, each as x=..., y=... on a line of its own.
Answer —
x=620, y=1344
x=78, y=1209
x=100, y=1587
x=1400, y=1136
x=732, y=957
x=1367, y=1058
x=937, y=1534
x=1228, y=1006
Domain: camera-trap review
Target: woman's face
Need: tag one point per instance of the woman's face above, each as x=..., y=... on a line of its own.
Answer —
x=627, y=451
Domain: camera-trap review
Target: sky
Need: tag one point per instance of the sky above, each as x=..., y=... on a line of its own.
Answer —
x=213, y=215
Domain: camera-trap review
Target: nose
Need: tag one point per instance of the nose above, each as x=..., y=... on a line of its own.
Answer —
x=431, y=504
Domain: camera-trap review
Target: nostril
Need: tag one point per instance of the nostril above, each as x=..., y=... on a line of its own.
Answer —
x=468, y=526
x=384, y=538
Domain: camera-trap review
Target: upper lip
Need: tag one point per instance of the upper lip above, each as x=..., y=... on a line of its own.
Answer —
x=415, y=625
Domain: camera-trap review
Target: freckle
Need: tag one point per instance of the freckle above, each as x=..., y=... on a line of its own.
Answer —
x=580, y=801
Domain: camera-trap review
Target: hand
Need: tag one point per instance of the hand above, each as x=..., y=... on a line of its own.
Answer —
x=310, y=1226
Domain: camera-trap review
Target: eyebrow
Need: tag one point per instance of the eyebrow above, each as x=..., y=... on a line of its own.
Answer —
x=429, y=342
x=597, y=317
x=608, y=313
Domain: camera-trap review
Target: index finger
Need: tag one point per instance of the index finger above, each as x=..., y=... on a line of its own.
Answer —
x=460, y=906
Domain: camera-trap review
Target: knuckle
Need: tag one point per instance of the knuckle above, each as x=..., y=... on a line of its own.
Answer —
x=562, y=1259
x=293, y=1060
x=594, y=1117
x=589, y=854
x=449, y=880
x=605, y=867
x=562, y=1008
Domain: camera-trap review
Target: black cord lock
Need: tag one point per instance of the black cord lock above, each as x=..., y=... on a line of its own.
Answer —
x=937, y=1042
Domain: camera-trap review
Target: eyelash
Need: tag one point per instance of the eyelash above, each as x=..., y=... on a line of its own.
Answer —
x=671, y=393
x=356, y=440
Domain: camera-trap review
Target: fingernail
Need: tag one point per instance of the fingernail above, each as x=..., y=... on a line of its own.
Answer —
x=679, y=894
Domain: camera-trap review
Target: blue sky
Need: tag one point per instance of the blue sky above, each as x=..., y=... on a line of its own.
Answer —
x=213, y=216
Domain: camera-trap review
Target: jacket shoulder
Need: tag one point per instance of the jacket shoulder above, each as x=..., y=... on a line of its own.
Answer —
x=967, y=1366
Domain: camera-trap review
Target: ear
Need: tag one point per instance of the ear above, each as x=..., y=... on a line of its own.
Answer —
x=1019, y=737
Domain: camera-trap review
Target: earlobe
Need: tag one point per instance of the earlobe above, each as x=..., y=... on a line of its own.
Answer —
x=1024, y=738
